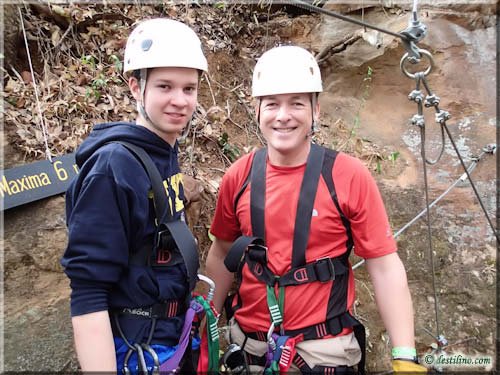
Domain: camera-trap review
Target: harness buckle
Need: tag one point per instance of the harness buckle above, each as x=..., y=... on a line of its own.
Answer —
x=164, y=240
x=325, y=271
x=166, y=253
x=257, y=253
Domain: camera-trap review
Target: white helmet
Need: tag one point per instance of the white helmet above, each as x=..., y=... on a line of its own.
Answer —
x=286, y=70
x=161, y=42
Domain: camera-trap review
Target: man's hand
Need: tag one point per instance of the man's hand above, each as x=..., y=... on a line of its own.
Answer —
x=407, y=367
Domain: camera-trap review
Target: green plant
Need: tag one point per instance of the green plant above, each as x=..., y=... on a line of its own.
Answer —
x=97, y=85
x=115, y=60
x=393, y=156
x=231, y=151
x=89, y=60
x=220, y=5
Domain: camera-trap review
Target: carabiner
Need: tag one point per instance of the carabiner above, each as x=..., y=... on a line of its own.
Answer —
x=270, y=340
x=211, y=285
x=156, y=360
x=126, y=370
x=141, y=361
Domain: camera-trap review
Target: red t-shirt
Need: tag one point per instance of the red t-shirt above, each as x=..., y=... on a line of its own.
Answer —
x=361, y=203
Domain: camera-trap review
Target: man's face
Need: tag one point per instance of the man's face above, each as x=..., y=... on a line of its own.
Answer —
x=170, y=99
x=285, y=121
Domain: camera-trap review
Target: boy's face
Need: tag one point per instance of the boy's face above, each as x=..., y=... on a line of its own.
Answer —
x=170, y=99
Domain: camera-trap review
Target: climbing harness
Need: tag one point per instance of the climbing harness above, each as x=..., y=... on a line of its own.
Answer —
x=414, y=33
x=174, y=244
x=253, y=252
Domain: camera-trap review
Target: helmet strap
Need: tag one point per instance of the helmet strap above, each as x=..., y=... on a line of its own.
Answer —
x=314, y=125
x=140, y=104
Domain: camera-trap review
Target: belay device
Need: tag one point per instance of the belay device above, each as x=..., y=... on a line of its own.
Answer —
x=173, y=244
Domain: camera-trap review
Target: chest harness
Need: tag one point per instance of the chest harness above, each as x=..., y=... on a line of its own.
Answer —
x=251, y=250
x=173, y=245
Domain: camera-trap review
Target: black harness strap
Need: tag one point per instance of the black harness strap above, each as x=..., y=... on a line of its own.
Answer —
x=177, y=229
x=258, y=193
x=329, y=161
x=164, y=310
x=234, y=259
x=305, y=206
x=160, y=201
x=187, y=246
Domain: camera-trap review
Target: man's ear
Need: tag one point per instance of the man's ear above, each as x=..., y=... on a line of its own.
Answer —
x=317, y=111
x=135, y=88
x=257, y=109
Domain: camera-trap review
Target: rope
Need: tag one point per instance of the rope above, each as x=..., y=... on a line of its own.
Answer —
x=489, y=149
x=495, y=231
x=312, y=8
x=429, y=232
x=415, y=9
x=42, y=122
x=441, y=117
x=415, y=32
x=462, y=178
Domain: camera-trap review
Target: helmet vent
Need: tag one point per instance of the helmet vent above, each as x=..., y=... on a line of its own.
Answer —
x=146, y=44
x=162, y=42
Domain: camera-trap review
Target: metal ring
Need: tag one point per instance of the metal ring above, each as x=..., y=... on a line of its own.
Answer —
x=424, y=53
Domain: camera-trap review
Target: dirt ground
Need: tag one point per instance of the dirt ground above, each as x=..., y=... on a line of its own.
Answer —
x=36, y=293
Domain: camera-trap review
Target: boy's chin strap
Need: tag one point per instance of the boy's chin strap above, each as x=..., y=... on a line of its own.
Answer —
x=140, y=103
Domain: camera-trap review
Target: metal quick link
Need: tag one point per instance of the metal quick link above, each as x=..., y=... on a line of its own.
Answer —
x=430, y=100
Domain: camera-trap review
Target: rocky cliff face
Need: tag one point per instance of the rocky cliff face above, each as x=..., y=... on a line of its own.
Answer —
x=366, y=112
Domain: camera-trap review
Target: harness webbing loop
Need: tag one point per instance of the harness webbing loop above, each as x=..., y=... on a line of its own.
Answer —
x=275, y=305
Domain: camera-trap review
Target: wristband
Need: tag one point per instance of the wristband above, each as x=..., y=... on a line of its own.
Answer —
x=404, y=352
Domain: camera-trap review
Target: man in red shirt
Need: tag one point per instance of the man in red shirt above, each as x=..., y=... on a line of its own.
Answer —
x=288, y=216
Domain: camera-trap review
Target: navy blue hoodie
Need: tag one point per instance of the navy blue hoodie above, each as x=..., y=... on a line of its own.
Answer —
x=110, y=215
